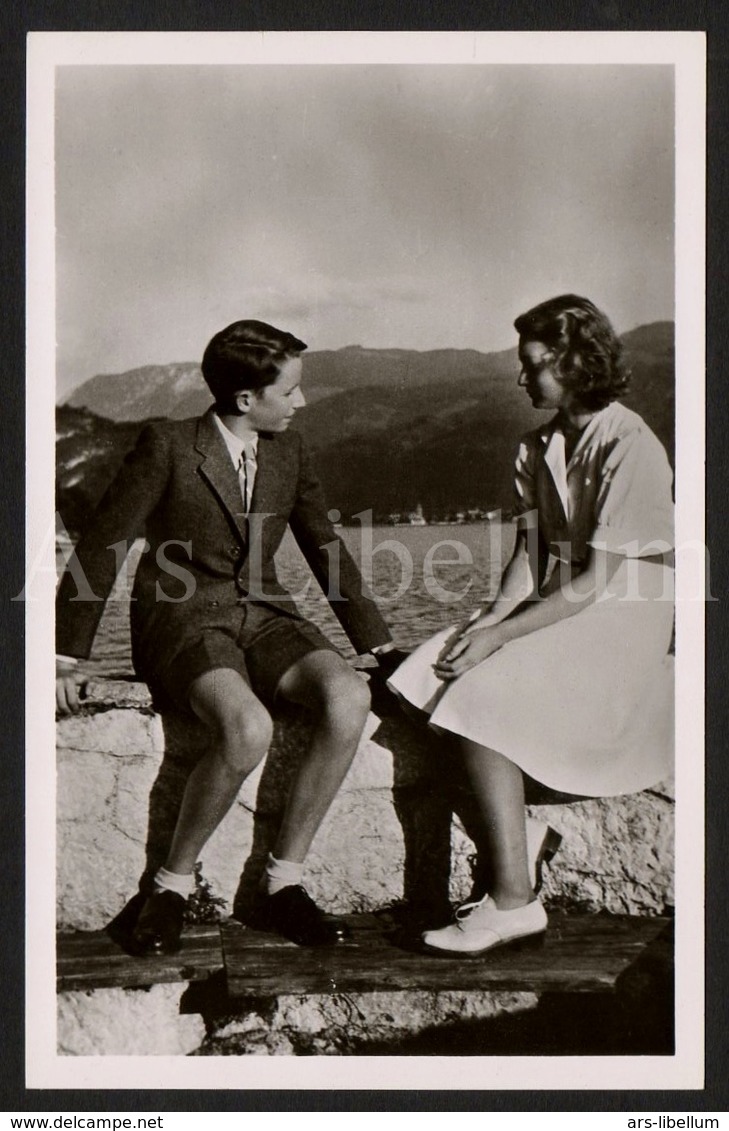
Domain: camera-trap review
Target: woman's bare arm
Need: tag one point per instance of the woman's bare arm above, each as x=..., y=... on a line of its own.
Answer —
x=571, y=598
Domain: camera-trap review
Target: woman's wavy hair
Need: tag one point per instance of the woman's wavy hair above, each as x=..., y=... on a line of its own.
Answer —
x=587, y=351
x=246, y=355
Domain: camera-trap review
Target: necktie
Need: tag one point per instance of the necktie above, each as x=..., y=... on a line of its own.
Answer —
x=247, y=474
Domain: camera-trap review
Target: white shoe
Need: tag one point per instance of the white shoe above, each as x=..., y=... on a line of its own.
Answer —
x=479, y=927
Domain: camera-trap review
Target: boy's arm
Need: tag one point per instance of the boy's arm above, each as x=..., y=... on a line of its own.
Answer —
x=94, y=564
x=334, y=568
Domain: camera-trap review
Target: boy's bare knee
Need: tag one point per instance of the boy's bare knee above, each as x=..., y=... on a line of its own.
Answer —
x=241, y=732
x=241, y=725
x=346, y=696
x=246, y=731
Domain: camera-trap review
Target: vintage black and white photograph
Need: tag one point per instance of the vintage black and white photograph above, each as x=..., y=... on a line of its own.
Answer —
x=370, y=452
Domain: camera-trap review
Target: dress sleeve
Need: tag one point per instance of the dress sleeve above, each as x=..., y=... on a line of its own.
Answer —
x=634, y=512
x=524, y=507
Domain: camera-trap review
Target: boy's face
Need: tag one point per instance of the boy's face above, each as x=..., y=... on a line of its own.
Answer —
x=272, y=408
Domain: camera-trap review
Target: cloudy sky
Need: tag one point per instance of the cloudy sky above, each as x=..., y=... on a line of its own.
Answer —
x=387, y=206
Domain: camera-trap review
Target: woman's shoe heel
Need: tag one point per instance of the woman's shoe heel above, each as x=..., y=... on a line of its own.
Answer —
x=552, y=841
x=548, y=850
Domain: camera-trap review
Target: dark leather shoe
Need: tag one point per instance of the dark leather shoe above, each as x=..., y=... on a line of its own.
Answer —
x=292, y=913
x=159, y=925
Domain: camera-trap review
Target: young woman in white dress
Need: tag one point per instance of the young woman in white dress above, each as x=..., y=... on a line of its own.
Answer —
x=566, y=676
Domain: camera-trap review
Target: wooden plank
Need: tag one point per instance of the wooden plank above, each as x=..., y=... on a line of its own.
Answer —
x=90, y=960
x=582, y=953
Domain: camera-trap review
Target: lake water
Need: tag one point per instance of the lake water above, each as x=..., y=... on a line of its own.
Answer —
x=424, y=578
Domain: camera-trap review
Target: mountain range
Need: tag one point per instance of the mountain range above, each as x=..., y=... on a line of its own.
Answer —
x=390, y=429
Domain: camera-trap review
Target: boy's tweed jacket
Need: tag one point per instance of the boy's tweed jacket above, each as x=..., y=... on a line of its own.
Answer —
x=205, y=559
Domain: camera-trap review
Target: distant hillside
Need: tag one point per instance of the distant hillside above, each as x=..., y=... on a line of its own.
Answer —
x=453, y=448
x=178, y=391
x=390, y=428
x=89, y=452
x=174, y=391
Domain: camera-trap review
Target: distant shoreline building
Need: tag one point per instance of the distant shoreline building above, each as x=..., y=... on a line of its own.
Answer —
x=411, y=518
x=455, y=518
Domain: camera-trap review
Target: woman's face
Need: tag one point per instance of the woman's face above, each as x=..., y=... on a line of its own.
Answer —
x=538, y=377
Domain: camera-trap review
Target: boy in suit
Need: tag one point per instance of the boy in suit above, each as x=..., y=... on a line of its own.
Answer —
x=213, y=631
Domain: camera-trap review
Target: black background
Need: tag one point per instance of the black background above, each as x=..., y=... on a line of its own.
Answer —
x=320, y=15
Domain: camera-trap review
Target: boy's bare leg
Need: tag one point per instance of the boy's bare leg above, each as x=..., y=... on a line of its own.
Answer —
x=340, y=700
x=240, y=730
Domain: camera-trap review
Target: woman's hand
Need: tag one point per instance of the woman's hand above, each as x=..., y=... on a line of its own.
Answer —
x=471, y=649
x=477, y=619
x=484, y=635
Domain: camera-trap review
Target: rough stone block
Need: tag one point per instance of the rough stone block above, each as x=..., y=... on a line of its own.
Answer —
x=117, y=693
x=356, y=861
x=97, y=871
x=130, y=805
x=334, y=1024
x=118, y=1022
x=85, y=785
x=118, y=731
x=388, y=832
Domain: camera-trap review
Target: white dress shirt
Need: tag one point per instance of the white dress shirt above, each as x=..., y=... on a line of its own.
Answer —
x=244, y=455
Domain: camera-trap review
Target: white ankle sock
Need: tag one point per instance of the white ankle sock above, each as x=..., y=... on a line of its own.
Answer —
x=281, y=874
x=173, y=881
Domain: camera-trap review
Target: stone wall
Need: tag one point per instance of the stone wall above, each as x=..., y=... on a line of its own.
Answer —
x=397, y=830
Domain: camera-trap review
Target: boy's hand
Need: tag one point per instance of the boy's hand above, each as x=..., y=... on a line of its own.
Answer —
x=388, y=662
x=384, y=701
x=67, y=681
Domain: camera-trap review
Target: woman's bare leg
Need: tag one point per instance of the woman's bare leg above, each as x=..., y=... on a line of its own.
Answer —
x=498, y=787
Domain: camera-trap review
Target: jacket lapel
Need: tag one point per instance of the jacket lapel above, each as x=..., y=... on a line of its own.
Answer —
x=217, y=469
x=554, y=458
x=267, y=476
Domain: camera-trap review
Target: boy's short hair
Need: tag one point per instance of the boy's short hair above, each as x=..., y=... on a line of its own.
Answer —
x=246, y=355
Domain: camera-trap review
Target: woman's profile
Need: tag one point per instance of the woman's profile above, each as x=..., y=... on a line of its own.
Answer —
x=566, y=675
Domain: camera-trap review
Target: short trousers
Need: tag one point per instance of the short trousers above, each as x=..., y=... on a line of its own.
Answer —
x=262, y=651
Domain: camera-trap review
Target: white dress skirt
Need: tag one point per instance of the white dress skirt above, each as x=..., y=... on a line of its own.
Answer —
x=585, y=706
